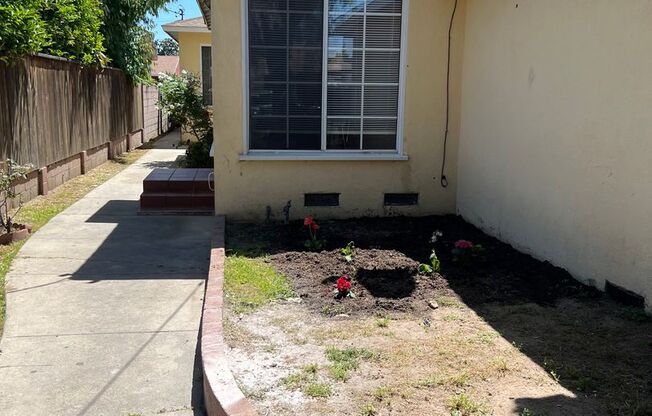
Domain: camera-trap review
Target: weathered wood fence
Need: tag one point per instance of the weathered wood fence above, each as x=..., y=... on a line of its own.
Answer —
x=66, y=119
x=51, y=109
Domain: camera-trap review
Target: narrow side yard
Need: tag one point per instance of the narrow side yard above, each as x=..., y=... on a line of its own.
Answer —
x=39, y=211
x=493, y=332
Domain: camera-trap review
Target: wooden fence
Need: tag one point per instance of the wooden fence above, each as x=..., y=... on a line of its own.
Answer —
x=52, y=109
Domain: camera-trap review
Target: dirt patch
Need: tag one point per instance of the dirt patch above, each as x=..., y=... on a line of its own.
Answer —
x=385, y=281
x=509, y=334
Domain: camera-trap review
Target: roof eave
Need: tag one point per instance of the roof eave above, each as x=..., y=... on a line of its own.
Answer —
x=205, y=6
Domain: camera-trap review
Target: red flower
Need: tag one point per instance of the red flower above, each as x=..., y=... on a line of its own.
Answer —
x=314, y=226
x=463, y=244
x=309, y=220
x=343, y=284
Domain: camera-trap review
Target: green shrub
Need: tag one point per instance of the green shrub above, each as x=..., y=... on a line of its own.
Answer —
x=22, y=31
x=181, y=99
x=66, y=28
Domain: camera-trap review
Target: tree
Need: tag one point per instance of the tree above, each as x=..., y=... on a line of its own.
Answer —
x=65, y=28
x=128, y=37
x=167, y=47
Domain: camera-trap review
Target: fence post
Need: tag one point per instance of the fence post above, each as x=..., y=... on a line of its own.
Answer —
x=43, y=181
x=82, y=161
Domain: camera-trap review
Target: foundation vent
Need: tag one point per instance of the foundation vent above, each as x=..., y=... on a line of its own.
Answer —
x=321, y=200
x=395, y=200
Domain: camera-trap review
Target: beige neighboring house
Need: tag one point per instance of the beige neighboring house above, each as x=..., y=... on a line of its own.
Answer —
x=195, y=53
x=340, y=106
x=165, y=65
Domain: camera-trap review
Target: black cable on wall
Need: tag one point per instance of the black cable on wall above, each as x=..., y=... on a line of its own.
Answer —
x=443, y=180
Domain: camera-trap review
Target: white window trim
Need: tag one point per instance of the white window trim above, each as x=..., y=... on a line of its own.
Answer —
x=201, y=66
x=323, y=154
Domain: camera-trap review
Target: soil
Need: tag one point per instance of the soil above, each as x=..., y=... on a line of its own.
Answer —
x=567, y=347
x=386, y=260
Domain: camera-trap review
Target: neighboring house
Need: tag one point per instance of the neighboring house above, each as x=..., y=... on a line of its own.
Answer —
x=194, y=40
x=165, y=64
x=340, y=106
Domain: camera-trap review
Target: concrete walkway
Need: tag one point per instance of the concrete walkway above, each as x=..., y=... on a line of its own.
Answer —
x=104, y=306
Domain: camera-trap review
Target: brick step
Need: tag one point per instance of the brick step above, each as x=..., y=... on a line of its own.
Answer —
x=179, y=181
x=177, y=200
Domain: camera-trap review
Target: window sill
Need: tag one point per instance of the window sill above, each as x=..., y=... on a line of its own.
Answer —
x=326, y=156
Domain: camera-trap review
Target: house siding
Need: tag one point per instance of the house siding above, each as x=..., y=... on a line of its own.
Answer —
x=555, y=155
x=245, y=188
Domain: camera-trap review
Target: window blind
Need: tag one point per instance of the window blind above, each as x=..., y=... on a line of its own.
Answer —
x=360, y=78
x=285, y=74
x=364, y=49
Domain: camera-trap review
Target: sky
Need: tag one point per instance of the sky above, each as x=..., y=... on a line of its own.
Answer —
x=190, y=8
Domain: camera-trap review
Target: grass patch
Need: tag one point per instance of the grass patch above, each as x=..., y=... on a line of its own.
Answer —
x=251, y=283
x=307, y=382
x=42, y=209
x=382, y=322
x=449, y=302
x=346, y=360
x=317, y=390
x=368, y=410
x=464, y=405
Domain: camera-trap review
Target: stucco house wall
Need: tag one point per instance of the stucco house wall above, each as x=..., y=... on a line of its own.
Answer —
x=556, y=133
x=189, y=50
x=245, y=188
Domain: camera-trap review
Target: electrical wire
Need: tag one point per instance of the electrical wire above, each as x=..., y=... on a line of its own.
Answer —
x=443, y=180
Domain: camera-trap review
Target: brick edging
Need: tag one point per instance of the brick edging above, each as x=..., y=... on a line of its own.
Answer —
x=222, y=396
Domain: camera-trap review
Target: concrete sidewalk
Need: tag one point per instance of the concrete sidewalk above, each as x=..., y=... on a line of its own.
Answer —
x=104, y=307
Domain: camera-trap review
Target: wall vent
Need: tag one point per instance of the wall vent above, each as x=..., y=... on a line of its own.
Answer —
x=394, y=200
x=624, y=296
x=321, y=200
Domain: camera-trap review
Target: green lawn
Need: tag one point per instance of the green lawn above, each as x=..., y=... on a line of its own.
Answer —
x=39, y=211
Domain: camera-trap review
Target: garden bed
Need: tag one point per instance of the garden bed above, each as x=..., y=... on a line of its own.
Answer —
x=495, y=332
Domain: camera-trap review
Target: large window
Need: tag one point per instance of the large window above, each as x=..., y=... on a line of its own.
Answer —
x=324, y=74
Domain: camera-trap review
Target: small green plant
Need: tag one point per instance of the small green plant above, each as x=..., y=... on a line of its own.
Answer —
x=435, y=264
x=317, y=390
x=382, y=322
x=368, y=410
x=346, y=360
x=347, y=252
x=463, y=405
x=313, y=243
x=9, y=174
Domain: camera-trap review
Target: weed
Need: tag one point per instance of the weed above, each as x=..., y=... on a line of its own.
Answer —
x=430, y=381
x=348, y=251
x=317, y=390
x=459, y=380
x=500, y=364
x=383, y=393
x=346, y=360
x=368, y=410
x=464, y=405
x=310, y=368
x=382, y=322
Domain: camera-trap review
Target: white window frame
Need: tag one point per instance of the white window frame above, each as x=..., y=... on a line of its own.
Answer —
x=323, y=153
x=201, y=67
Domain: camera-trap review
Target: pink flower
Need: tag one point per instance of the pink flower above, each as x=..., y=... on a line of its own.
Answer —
x=463, y=244
x=309, y=220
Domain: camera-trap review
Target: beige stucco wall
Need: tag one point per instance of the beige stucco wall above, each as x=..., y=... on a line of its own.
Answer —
x=245, y=188
x=189, y=50
x=556, y=133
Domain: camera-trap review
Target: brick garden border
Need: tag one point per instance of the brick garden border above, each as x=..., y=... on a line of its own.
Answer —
x=222, y=396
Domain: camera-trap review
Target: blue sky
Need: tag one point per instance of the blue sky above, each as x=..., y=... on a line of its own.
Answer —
x=190, y=7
